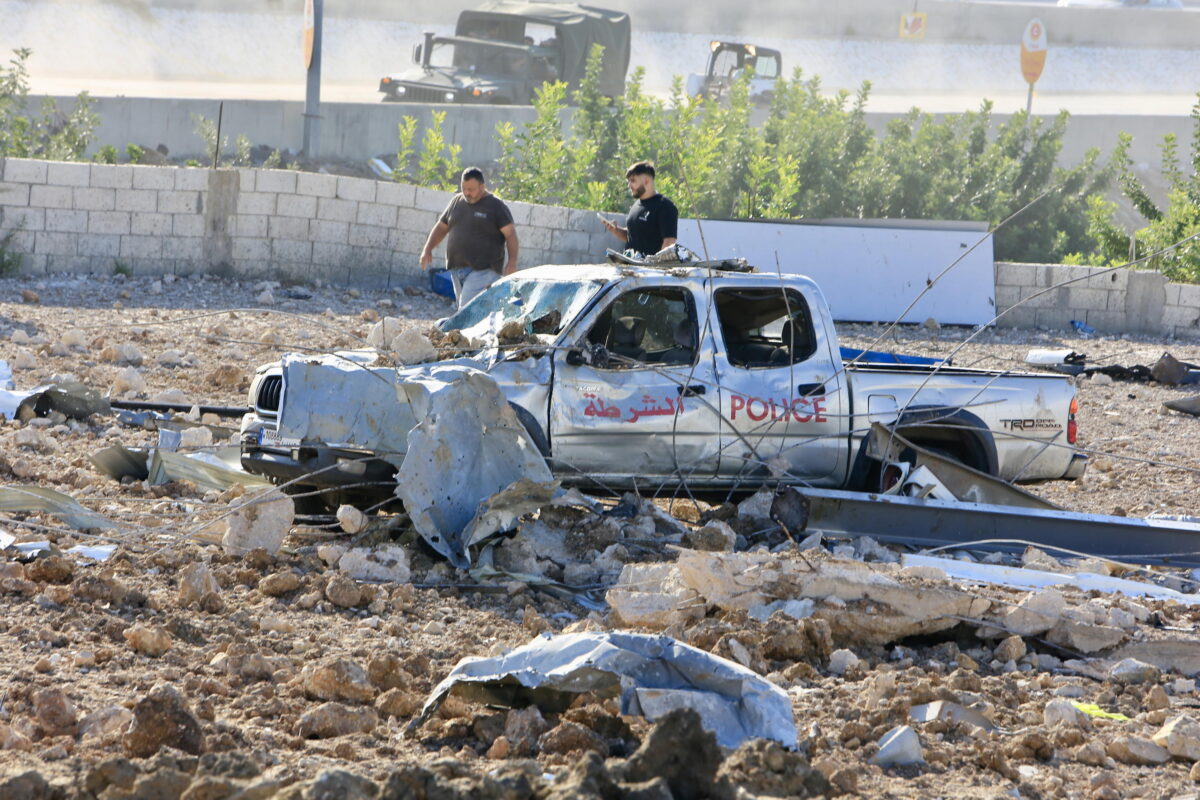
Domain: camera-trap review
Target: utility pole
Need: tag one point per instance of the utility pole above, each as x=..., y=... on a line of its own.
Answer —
x=314, y=14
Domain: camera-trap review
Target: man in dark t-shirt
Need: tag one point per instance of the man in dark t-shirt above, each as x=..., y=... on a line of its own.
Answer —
x=653, y=220
x=480, y=229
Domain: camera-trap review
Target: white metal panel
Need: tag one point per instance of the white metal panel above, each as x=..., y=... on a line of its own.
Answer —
x=868, y=271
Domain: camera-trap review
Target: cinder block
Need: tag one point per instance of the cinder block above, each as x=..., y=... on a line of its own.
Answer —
x=415, y=219
x=159, y=178
x=250, y=225
x=1018, y=318
x=431, y=199
x=14, y=194
x=143, y=247
x=246, y=182
x=152, y=266
x=282, y=181
x=368, y=236
x=1008, y=274
x=1171, y=293
x=331, y=253
x=99, y=245
x=141, y=200
x=569, y=241
x=337, y=210
x=24, y=170
x=256, y=203
x=113, y=222
x=601, y=242
x=179, y=202
x=48, y=243
x=322, y=230
x=1059, y=318
x=406, y=241
x=1189, y=295
x=287, y=228
x=521, y=212
x=406, y=270
x=376, y=214
x=251, y=249
x=1107, y=321
x=192, y=178
x=549, y=217
x=183, y=247
x=149, y=225
x=290, y=250
x=296, y=205
x=396, y=194
x=584, y=221
x=32, y=264
x=68, y=173
x=1087, y=299
x=534, y=238
x=24, y=219
x=111, y=176
x=362, y=189
x=187, y=225
x=67, y=220
x=1008, y=296
x=1181, y=316
x=43, y=196
x=316, y=184
x=95, y=199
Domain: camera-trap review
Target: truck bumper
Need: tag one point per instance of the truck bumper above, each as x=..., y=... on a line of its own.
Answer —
x=322, y=468
x=1077, y=467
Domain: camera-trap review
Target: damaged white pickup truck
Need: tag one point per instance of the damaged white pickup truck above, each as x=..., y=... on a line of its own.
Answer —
x=638, y=377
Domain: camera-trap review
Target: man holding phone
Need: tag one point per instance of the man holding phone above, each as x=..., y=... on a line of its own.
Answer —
x=653, y=220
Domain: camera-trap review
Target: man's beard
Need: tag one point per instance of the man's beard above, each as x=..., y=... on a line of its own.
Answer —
x=638, y=191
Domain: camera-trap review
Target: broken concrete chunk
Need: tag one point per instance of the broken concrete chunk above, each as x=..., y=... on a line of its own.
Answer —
x=840, y=661
x=1133, y=671
x=195, y=582
x=1036, y=614
x=385, y=563
x=330, y=720
x=55, y=712
x=716, y=536
x=413, y=347
x=383, y=332
x=351, y=519
x=259, y=519
x=1137, y=750
x=898, y=747
x=152, y=641
x=161, y=718
x=653, y=596
x=342, y=591
x=337, y=679
x=129, y=380
x=1011, y=649
x=1181, y=737
x=1062, y=711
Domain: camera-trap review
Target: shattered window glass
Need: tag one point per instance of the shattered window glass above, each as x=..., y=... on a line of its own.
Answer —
x=765, y=327
x=529, y=300
x=653, y=326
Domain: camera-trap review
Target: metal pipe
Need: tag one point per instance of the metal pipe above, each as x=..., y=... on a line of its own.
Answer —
x=146, y=405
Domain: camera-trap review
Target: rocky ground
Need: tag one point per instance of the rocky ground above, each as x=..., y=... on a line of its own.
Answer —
x=174, y=669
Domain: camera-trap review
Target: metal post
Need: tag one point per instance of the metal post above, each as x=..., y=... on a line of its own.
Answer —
x=312, y=96
x=1029, y=102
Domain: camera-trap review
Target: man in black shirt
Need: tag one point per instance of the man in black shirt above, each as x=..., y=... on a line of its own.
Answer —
x=653, y=220
x=480, y=228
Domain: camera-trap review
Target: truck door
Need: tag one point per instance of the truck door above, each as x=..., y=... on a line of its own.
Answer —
x=650, y=409
x=782, y=391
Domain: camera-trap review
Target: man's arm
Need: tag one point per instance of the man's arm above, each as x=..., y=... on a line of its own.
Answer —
x=513, y=246
x=616, y=230
x=436, y=235
x=669, y=225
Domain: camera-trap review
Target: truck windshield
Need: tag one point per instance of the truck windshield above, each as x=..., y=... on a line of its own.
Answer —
x=479, y=57
x=552, y=303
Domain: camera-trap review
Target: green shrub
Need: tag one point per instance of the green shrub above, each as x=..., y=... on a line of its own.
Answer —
x=134, y=153
x=106, y=155
x=48, y=134
x=10, y=260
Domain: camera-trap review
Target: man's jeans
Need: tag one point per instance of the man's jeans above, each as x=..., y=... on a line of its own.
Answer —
x=470, y=282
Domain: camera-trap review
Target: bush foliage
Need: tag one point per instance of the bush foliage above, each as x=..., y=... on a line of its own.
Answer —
x=813, y=157
x=49, y=133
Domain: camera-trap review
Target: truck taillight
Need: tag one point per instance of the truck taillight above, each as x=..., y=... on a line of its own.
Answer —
x=1072, y=427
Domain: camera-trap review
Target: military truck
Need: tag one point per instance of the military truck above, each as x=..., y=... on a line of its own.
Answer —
x=728, y=61
x=504, y=50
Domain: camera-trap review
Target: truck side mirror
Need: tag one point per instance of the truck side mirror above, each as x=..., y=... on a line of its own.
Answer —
x=575, y=357
x=416, y=54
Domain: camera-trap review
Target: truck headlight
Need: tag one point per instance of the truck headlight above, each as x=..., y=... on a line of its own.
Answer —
x=449, y=97
x=401, y=91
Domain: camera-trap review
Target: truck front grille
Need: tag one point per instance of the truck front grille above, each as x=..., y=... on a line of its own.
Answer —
x=423, y=94
x=269, y=392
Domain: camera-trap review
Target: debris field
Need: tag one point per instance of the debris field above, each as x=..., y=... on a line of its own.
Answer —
x=212, y=644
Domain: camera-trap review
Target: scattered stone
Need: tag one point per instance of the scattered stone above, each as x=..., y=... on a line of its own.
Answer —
x=571, y=737
x=398, y=703
x=50, y=569
x=170, y=359
x=898, y=747
x=387, y=563
x=413, y=347
x=840, y=661
x=129, y=380
x=30, y=296
x=75, y=339
x=523, y=727
x=351, y=519
x=256, y=520
x=764, y=768
x=337, y=679
x=1157, y=698
x=1181, y=737
x=162, y=718
x=55, y=712
x=1132, y=671
x=383, y=332
x=265, y=298
x=23, y=359
x=195, y=582
x=1036, y=614
x=12, y=739
x=715, y=536
x=1137, y=750
x=343, y=591
x=679, y=751
x=330, y=720
x=280, y=583
x=1060, y=710
x=153, y=641
x=1011, y=649
x=105, y=722
x=126, y=354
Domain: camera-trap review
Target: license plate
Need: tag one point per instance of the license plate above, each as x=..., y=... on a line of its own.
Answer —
x=268, y=437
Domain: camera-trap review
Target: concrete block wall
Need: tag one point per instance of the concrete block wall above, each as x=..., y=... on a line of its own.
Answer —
x=1111, y=301
x=250, y=223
